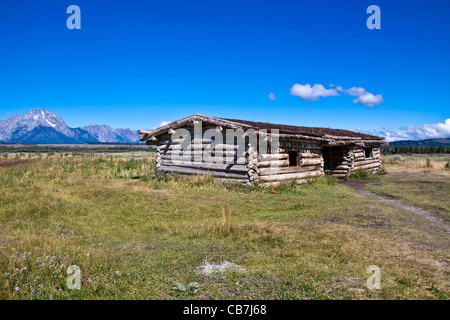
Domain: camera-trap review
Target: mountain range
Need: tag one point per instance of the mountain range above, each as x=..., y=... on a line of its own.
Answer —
x=436, y=142
x=40, y=126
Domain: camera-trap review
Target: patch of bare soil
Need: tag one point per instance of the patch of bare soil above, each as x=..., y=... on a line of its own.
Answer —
x=13, y=163
x=358, y=186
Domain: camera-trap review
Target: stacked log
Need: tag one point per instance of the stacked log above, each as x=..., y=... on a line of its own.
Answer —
x=340, y=162
x=219, y=159
x=191, y=157
x=252, y=163
x=290, y=176
x=274, y=168
x=195, y=171
x=158, y=157
x=361, y=162
x=377, y=153
x=302, y=146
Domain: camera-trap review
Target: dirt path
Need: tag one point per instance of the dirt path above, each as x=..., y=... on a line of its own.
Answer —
x=358, y=186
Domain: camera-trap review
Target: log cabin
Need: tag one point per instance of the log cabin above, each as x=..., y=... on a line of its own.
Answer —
x=278, y=153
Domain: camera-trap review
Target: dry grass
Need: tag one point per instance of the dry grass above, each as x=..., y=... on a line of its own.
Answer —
x=135, y=233
x=427, y=187
x=429, y=162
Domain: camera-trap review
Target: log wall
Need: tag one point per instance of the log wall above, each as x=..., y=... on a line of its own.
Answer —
x=340, y=161
x=259, y=165
x=346, y=160
x=194, y=159
x=275, y=168
x=361, y=162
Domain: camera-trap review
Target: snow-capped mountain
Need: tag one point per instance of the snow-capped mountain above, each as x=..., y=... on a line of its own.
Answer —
x=105, y=133
x=44, y=126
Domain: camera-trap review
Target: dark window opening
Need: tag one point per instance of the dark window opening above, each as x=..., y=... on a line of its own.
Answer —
x=293, y=158
x=326, y=158
x=368, y=152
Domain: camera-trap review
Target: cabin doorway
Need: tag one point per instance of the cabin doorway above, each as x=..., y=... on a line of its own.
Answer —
x=332, y=157
x=326, y=158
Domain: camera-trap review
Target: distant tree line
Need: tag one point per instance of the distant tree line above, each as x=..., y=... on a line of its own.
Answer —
x=415, y=149
x=81, y=148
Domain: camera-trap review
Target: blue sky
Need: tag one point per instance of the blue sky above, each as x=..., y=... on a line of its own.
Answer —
x=137, y=63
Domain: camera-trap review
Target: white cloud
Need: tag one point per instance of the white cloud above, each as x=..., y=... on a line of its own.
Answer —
x=363, y=97
x=163, y=123
x=312, y=93
x=369, y=100
x=426, y=131
x=272, y=96
x=430, y=130
x=356, y=91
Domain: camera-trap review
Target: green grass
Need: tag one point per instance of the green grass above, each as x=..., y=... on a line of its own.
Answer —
x=362, y=175
x=135, y=233
x=431, y=192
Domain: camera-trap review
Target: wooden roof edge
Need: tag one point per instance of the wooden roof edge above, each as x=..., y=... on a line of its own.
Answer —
x=195, y=117
x=328, y=136
x=148, y=134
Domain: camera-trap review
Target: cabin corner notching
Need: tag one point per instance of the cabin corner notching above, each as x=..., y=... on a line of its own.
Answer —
x=301, y=152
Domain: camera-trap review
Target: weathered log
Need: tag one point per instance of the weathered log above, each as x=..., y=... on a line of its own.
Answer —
x=195, y=152
x=367, y=166
x=290, y=176
x=229, y=180
x=283, y=170
x=278, y=163
x=343, y=167
x=170, y=141
x=252, y=161
x=302, y=149
x=252, y=154
x=340, y=171
x=310, y=161
x=276, y=183
x=179, y=142
x=224, y=160
x=309, y=155
x=361, y=163
x=271, y=157
x=207, y=166
x=224, y=147
x=213, y=173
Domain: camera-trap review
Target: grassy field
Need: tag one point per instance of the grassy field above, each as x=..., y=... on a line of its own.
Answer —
x=440, y=163
x=420, y=180
x=136, y=234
